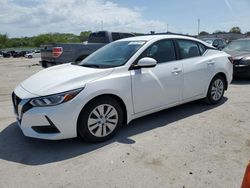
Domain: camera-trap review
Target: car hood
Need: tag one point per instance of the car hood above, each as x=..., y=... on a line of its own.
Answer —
x=238, y=55
x=62, y=78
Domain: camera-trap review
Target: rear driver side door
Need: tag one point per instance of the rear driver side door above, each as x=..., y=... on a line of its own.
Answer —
x=197, y=68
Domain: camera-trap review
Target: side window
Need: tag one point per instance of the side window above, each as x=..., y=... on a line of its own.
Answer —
x=98, y=37
x=188, y=49
x=116, y=36
x=220, y=42
x=216, y=43
x=202, y=48
x=161, y=51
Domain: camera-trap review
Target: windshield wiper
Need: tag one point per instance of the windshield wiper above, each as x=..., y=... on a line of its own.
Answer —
x=91, y=65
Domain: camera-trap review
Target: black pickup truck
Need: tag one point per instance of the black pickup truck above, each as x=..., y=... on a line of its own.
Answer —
x=59, y=53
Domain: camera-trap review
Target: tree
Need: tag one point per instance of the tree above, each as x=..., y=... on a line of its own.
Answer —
x=235, y=30
x=84, y=35
x=219, y=32
x=203, y=33
x=3, y=40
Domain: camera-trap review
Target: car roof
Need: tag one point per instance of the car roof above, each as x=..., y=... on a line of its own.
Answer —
x=151, y=37
x=162, y=36
x=211, y=38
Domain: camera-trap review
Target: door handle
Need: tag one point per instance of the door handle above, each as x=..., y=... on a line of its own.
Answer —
x=176, y=71
x=211, y=62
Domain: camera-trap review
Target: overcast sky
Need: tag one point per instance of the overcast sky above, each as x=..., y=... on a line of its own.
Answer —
x=20, y=18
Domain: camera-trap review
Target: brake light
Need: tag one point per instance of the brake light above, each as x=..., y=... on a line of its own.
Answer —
x=57, y=51
x=231, y=60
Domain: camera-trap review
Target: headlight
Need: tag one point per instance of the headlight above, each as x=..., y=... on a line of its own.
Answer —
x=246, y=61
x=55, y=99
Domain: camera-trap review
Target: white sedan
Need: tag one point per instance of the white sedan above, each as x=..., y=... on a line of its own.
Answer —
x=35, y=54
x=122, y=81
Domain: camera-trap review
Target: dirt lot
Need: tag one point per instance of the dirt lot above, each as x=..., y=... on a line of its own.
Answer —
x=193, y=145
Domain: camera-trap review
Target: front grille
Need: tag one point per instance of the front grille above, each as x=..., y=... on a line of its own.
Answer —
x=26, y=107
x=20, y=106
x=15, y=100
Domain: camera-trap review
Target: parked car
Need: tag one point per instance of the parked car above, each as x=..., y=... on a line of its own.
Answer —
x=122, y=81
x=240, y=52
x=216, y=42
x=59, y=53
x=7, y=54
x=34, y=54
x=20, y=54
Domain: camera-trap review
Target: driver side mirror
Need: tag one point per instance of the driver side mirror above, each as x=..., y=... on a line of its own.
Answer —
x=146, y=62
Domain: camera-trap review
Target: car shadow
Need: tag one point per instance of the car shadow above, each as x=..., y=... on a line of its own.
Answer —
x=238, y=81
x=15, y=147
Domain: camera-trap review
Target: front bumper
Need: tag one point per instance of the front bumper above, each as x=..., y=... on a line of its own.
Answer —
x=242, y=71
x=51, y=123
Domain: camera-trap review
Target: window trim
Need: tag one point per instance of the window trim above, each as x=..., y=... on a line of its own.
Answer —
x=172, y=40
x=197, y=42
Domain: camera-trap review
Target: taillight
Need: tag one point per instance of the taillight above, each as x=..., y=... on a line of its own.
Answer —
x=231, y=60
x=57, y=51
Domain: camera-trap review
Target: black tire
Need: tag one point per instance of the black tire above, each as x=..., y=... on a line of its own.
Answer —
x=83, y=128
x=29, y=56
x=211, y=98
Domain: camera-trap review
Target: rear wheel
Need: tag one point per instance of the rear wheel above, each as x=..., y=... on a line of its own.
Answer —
x=100, y=120
x=216, y=90
x=29, y=56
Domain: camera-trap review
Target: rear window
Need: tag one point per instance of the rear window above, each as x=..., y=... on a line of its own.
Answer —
x=127, y=35
x=188, y=49
x=116, y=36
x=98, y=37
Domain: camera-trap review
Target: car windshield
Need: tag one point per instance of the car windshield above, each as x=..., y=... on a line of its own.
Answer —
x=112, y=55
x=209, y=41
x=238, y=45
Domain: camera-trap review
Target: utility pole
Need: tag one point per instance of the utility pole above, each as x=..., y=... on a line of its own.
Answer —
x=102, y=25
x=199, y=22
x=167, y=28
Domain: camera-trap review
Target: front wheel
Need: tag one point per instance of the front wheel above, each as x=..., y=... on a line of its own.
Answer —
x=100, y=120
x=216, y=90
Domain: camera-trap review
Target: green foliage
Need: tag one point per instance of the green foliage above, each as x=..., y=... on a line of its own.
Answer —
x=235, y=30
x=203, y=33
x=38, y=40
x=3, y=40
x=84, y=35
x=219, y=32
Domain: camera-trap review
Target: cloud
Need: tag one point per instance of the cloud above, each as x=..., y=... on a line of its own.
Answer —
x=31, y=18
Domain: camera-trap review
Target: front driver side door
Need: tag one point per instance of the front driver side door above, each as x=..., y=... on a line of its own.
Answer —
x=159, y=86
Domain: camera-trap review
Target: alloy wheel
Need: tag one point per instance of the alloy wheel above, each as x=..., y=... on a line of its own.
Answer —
x=103, y=120
x=217, y=89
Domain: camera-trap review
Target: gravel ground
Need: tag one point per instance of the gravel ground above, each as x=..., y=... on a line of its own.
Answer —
x=193, y=145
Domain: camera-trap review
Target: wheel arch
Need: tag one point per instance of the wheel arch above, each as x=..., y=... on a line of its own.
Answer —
x=225, y=78
x=116, y=97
